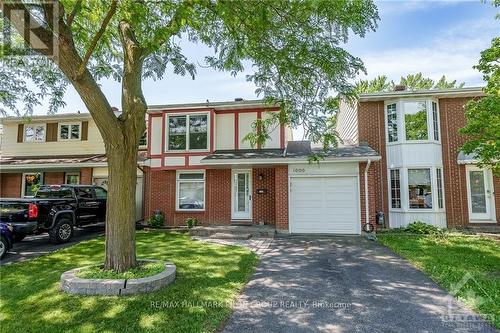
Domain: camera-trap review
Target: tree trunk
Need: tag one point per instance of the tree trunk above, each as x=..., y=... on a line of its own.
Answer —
x=120, y=210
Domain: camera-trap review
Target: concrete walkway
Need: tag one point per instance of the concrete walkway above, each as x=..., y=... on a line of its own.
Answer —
x=344, y=284
x=257, y=245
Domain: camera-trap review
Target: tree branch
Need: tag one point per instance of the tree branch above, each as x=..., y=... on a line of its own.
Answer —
x=96, y=38
x=73, y=13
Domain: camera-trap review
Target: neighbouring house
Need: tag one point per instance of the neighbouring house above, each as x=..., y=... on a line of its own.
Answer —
x=422, y=174
x=198, y=165
x=54, y=149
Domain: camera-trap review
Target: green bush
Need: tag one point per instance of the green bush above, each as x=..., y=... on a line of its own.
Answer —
x=157, y=220
x=191, y=222
x=422, y=228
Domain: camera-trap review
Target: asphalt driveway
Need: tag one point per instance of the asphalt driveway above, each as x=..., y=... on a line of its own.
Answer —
x=344, y=284
x=37, y=245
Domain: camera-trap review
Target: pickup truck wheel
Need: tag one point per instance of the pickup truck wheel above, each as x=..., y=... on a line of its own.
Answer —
x=4, y=245
x=62, y=231
x=19, y=237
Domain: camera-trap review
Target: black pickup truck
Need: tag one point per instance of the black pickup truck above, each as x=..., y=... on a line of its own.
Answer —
x=55, y=209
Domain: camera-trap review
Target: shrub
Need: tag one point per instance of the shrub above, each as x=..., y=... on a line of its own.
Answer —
x=422, y=228
x=191, y=222
x=157, y=220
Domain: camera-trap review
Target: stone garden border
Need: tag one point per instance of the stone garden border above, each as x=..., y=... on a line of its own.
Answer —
x=72, y=284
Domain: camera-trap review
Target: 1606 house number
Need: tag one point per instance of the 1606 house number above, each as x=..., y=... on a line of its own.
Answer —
x=299, y=170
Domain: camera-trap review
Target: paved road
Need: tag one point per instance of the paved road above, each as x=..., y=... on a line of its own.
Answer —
x=344, y=284
x=35, y=246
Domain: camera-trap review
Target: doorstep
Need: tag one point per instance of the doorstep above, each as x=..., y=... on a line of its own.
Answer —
x=256, y=231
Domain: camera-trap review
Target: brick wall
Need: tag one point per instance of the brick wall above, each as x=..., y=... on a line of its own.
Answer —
x=10, y=185
x=53, y=178
x=372, y=203
x=281, y=197
x=371, y=129
x=452, y=118
x=263, y=204
x=86, y=176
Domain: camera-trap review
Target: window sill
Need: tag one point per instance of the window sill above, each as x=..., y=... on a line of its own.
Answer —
x=412, y=142
x=190, y=210
x=186, y=151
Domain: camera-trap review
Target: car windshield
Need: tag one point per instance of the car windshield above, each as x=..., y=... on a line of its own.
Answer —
x=54, y=192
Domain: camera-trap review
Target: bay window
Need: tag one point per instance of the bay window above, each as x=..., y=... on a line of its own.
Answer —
x=392, y=123
x=415, y=117
x=395, y=189
x=419, y=189
x=188, y=132
x=190, y=191
x=435, y=121
x=439, y=181
x=34, y=133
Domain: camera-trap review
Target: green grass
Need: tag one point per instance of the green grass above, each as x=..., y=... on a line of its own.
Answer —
x=209, y=278
x=143, y=269
x=447, y=259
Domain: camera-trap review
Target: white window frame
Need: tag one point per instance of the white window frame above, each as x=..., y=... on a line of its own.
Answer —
x=23, y=182
x=71, y=174
x=401, y=126
x=69, y=131
x=187, y=115
x=401, y=205
x=442, y=189
x=26, y=126
x=177, y=188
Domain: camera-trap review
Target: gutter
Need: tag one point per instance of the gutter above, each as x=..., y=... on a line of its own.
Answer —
x=367, y=213
x=283, y=160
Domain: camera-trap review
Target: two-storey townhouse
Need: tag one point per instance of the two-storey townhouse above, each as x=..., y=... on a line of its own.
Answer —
x=198, y=165
x=54, y=149
x=423, y=175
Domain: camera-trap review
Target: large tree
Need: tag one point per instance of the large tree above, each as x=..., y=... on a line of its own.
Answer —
x=294, y=48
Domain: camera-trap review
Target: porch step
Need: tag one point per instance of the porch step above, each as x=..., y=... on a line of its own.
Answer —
x=221, y=235
x=242, y=222
x=493, y=229
x=255, y=231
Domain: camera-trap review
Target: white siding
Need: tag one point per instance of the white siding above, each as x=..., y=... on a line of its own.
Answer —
x=274, y=140
x=347, y=122
x=224, y=129
x=402, y=219
x=195, y=160
x=156, y=135
x=10, y=147
x=245, y=122
x=175, y=161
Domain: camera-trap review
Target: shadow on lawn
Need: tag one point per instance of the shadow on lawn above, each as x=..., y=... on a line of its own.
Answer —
x=32, y=301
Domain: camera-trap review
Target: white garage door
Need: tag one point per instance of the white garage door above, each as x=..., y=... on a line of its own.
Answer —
x=324, y=205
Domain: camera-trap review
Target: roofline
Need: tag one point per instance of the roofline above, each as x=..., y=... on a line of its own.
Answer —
x=51, y=165
x=245, y=104
x=36, y=118
x=285, y=160
x=458, y=92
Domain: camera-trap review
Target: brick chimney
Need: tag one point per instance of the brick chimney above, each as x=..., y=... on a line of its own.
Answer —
x=399, y=87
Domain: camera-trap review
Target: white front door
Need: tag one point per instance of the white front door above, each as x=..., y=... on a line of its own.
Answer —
x=241, y=195
x=480, y=194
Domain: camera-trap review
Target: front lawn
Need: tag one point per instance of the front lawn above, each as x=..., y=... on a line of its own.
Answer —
x=447, y=259
x=209, y=277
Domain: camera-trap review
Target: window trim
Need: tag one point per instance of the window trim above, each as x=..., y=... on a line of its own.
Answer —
x=79, y=123
x=71, y=174
x=44, y=125
x=390, y=189
x=177, y=188
x=187, y=115
x=23, y=181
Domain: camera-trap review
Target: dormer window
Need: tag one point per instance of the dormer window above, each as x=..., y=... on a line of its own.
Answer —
x=187, y=132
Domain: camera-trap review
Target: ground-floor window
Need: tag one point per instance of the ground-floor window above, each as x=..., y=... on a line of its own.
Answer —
x=439, y=180
x=72, y=178
x=190, y=190
x=419, y=188
x=31, y=183
x=395, y=189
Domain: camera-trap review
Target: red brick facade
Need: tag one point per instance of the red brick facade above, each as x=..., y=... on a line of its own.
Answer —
x=371, y=130
x=372, y=203
x=86, y=176
x=160, y=193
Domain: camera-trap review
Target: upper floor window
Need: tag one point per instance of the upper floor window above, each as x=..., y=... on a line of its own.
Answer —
x=34, y=133
x=69, y=131
x=416, y=120
x=435, y=121
x=392, y=123
x=188, y=132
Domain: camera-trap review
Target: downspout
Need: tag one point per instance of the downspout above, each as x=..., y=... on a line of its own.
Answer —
x=367, y=213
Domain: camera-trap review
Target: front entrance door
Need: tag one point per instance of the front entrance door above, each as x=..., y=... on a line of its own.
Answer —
x=241, y=195
x=480, y=194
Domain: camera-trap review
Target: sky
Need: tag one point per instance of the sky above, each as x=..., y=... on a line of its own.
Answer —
x=432, y=37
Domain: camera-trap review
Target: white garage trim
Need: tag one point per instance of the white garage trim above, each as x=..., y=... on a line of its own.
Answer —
x=357, y=229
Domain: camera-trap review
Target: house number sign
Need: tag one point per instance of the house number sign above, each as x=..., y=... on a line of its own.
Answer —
x=299, y=170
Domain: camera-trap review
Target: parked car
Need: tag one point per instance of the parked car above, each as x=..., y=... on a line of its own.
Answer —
x=56, y=209
x=6, y=238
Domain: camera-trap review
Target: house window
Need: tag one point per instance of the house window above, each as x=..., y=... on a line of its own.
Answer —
x=190, y=191
x=31, y=183
x=34, y=133
x=435, y=121
x=189, y=132
x=439, y=179
x=395, y=189
x=392, y=123
x=415, y=120
x=72, y=178
x=69, y=131
x=419, y=188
